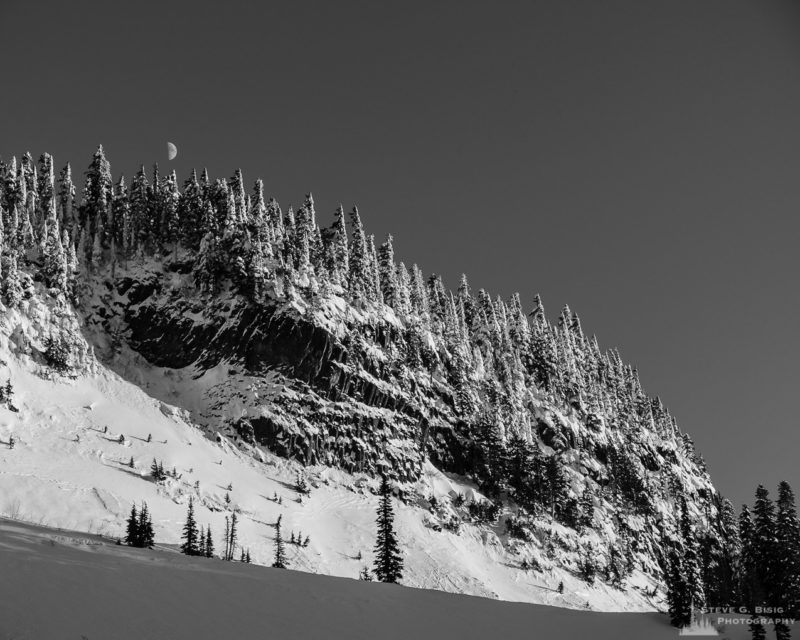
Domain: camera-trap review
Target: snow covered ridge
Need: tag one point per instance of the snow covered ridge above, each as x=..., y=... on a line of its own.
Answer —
x=523, y=453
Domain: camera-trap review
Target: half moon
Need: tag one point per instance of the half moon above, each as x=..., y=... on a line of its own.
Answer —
x=172, y=150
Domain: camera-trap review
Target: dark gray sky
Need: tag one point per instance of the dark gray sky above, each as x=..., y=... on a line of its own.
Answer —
x=639, y=160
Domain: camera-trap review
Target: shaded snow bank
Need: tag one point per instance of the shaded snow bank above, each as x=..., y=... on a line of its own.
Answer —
x=68, y=585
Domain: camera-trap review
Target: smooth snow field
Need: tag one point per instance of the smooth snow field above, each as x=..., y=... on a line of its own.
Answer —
x=63, y=585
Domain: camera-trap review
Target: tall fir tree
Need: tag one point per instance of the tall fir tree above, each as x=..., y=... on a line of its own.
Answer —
x=190, y=212
x=691, y=558
x=140, y=212
x=279, y=561
x=54, y=267
x=98, y=190
x=388, y=273
x=146, y=532
x=209, y=544
x=66, y=198
x=787, y=560
x=679, y=600
x=388, y=561
x=190, y=536
x=358, y=284
x=132, y=533
x=764, y=541
x=340, y=253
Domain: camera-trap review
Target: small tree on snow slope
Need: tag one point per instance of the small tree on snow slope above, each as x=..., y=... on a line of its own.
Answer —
x=280, y=552
x=388, y=562
x=190, y=545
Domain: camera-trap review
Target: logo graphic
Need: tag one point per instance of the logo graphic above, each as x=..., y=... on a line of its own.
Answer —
x=699, y=626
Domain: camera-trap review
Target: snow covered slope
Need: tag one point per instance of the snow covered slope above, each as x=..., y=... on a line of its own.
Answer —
x=73, y=585
x=68, y=469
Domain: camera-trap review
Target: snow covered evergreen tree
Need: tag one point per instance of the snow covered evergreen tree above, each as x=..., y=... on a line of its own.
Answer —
x=679, y=599
x=388, y=273
x=691, y=561
x=358, y=279
x=98, y=190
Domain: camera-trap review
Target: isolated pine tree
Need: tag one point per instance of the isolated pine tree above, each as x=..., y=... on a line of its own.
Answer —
x=231, y=536
x=280, y=552
x=225, y=538
x=132, y=533
x=209, y=545
x=388, y=566
x=146, y=533
x=190, y=545
x=301, y=486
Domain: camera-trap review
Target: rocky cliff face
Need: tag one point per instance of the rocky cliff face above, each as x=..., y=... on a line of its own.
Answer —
x=333, y=399
x=323, y=382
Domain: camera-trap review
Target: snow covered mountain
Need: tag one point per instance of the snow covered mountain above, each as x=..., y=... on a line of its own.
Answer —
x=242, y=347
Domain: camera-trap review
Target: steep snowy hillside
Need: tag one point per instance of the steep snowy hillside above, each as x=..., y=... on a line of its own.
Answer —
x=68, y=469
x=251, y=344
